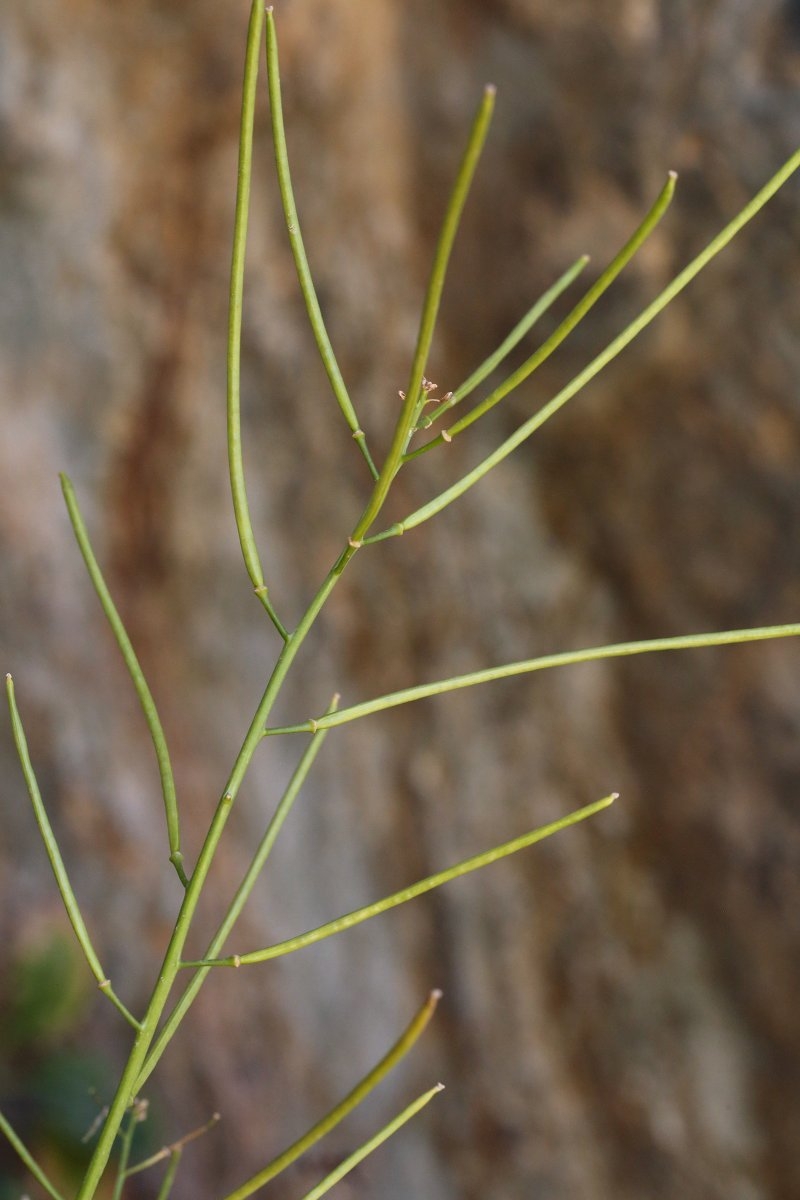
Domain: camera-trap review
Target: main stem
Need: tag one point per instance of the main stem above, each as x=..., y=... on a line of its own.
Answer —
x=170, y=965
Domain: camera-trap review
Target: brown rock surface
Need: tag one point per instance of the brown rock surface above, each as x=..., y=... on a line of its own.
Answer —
x=620, y=1015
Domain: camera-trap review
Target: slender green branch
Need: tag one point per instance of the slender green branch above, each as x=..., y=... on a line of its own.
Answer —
x=383, y=1135
x=433, y=294
x=146, y=700
x=169, y=1178
x=370, y=1081
x=513, y=339
x=241, y=508
x=405, y=421
x=410, y=893
x=27, y=1158
x=57, y=862
x=126, y=1143
x=568, y=658
x=298, y=248
x=645, y=318
x=584, y=305
x=167, y=1032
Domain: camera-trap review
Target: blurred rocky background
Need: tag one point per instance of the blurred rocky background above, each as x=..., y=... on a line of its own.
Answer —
x=621, y=1003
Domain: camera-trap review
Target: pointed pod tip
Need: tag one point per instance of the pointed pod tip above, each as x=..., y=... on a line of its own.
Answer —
x=439, y=1087
x=490, y=89
x=673, y=175
x=435, y=996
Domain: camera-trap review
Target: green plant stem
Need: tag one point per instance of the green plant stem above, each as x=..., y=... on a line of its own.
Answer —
x=345, y=1106
x=126, y=1142
x=433, y=294
x=143, y=692
x=383, y=1135
x=409, y=893
x=27, y=1158
x=584, y=305
x=57, y=862
x=298, y=247
x=513, y=339
x=241, y=508
x=693, y=641
x=169, y=1178
x=614, y=348
x=126, y=1088
x=257, y=864
x=405, y=421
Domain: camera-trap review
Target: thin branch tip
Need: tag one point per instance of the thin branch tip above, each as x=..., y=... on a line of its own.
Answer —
x=490, y=89
x=435, y=996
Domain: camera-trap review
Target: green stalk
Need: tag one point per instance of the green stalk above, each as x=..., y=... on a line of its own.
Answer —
x=405, y=422
x=125, y=1153
x=433, y=294
x=169, y=1178
x=423, y=691
x=126, y=1088
x=409, y=893
x=241, y=508
x=584, y=305
x=370, y=1081
x=27, y=1158
x=146, y=700
x=383, y=1135
x=57, y=862
x=645, y=318
x=298, y=248
x=534, y=314
x=237, y=904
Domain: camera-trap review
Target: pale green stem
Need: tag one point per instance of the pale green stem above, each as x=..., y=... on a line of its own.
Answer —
x=433, y=294
x=298, y=248
x=241, y=508
x=584, y=305
x=57, y=862
x=146, y=700
x=410, y=893
x=513, y=339
x=124, y=1154
x=405, y=422
x=126, y=1088
x=645, y=318
x=263, y=852
x=27, y=1158
x=693, y=641
x=169, y=1178
x=379, y=1072
x=383, y=1135
x=172, y=957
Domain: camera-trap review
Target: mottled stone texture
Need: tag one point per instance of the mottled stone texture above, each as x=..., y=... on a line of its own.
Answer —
x=621, y=1013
